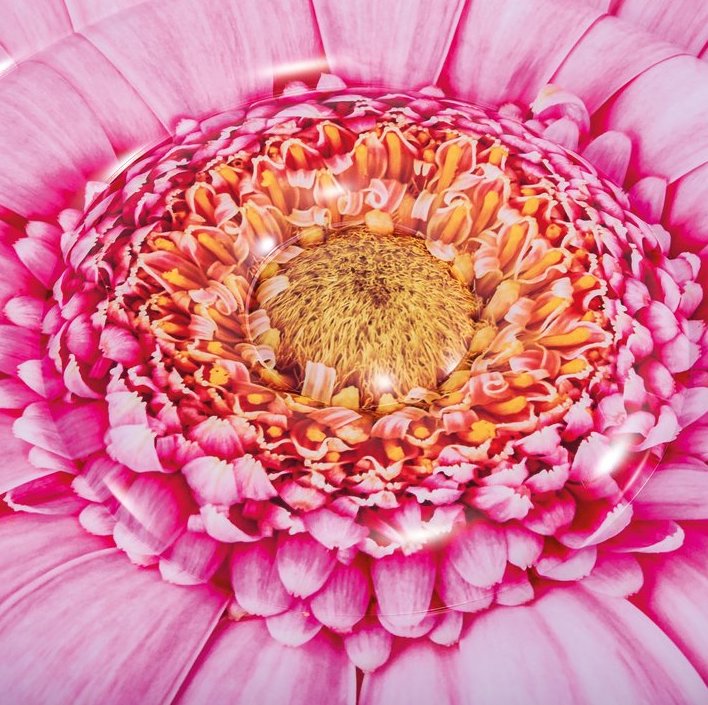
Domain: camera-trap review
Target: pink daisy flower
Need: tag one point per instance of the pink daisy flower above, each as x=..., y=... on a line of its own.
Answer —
x=353, y=353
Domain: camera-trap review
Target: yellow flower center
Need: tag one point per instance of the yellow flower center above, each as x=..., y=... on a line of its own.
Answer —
x=379, y=309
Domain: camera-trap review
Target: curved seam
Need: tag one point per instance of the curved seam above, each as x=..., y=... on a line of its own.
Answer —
x=125, y=78
x=176, y=690
x=12, y=600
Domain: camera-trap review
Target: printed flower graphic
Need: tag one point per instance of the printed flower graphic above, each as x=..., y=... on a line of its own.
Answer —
x=353, y=353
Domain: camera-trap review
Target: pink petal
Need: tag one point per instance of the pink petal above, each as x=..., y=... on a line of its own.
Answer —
x=252, y=480
x=610, y=153
x=649, y=537
x=617, y=52
x=344, y=599
x=674, y=597
x=618, y=575
x=49, y=148
x=418, y=674
x=334, y=530
x=303, y=564
x=524, y=546
x=33, y=545
x=399, y=43
x=647, y=197
x=52, y=426
x=294, y=627
x=16, y=346
x=15, y=469
x=192, y=559
x=83, y=12
x=674, y=493
x=244, y=665
x=368, y=646
x=487, y=29
x=404, y=586
x=255, y=579
x=120, y=345
x=515, y=589
x=197, y=82
x=25, y=32
x=457, y=593
x=124, y=116
x=51, y=494
x=667, y=428
x=658, y=136
x=688, y=210
x=447, y=631
x=693, y=404
x=589, y=635
x=128, y=616
x=15, y=394
x=134, y=446
x=212, y=481
x=684, y=22
x=566, y=565
x=480, y=554
x=153, y=511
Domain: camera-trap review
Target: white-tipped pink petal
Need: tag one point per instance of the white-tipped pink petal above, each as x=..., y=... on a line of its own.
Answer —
x=52, y=426
x=368, y=646
x=398, y=43
x=344, y=599
x=607, y=57
x=447, y=631
x=196, y=81
x=486, y=32
x=192, y=559
x=303, y=564
x=16, y=469
x=294, y=627
x=682, y=22
x=659, y=136
x=130, y=618
x=255, y=579
x=404, y=586
x=134, y=446
x=242, y=664
x=480, y=554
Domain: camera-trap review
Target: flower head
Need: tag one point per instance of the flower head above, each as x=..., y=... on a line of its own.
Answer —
x=358, y=369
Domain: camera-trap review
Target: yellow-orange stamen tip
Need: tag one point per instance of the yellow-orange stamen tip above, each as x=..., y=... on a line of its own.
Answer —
x=515, y=405
x=573, y=366
x=347, y=398
x=314, y=235
x=379, y=222
x=481, y=431
x=218, y=376
x=576, y=337
x=315, y=434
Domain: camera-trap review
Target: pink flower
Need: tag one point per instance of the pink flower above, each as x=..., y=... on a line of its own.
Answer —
x=196, y=509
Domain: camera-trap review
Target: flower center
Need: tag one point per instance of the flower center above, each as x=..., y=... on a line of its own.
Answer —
x=379, y=309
